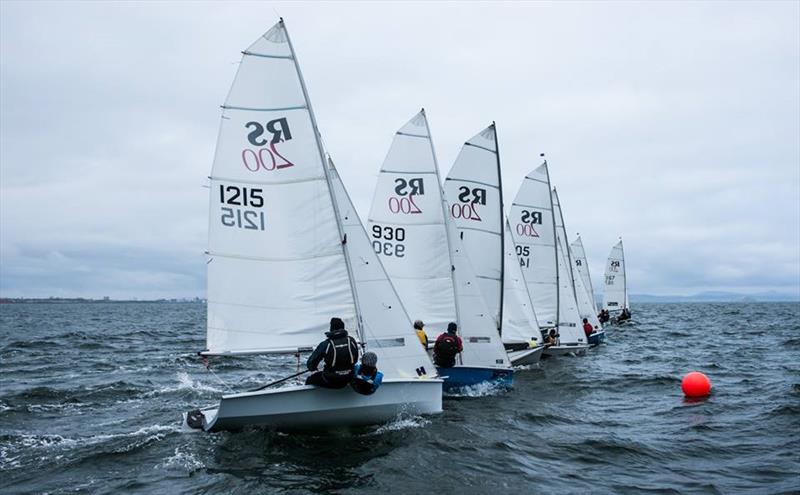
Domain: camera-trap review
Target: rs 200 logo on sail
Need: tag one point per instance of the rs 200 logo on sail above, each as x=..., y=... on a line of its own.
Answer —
x=265, y=138
x=406, y=189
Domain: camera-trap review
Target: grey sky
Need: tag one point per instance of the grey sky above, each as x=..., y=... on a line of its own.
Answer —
x=675, y=125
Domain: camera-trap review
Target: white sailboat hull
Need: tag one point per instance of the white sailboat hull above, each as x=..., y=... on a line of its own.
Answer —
x=565, y=350
x=305, y=406
x=526, y=357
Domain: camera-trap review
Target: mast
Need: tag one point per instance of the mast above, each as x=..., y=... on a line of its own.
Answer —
x=555, y=251
x=502, y=233
x=324, y=161
x=445, y=218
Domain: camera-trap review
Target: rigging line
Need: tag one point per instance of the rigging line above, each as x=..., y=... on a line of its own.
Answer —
x=220, y=379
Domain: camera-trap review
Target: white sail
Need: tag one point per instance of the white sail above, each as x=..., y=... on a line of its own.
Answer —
x=519, y=318
x=579, y=294
x=581, y=267
x=533, y=231
x=570, y=326
x=474, y=194
x=277, y=271
x=406, y=226
x=420, y=249
x=477, y=327
x=386, y=326
x=615, y=292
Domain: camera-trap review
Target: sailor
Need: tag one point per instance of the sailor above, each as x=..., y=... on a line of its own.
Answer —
x=366, y=377
x=626, y=314
x=552, y=338
x=587, y=327
x=447, y=346
x=340, y=353
x=419, y=328
x=603, y=316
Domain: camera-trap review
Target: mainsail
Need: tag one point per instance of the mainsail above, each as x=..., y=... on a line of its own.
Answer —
x=277, y=270
x=533, y=230
x=615, y=292
x=421, y=250
x=474, y=193
x=581, y=267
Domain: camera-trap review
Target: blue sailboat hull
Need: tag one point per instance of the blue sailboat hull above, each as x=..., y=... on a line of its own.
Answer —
x=467, y=376
x=597, y=337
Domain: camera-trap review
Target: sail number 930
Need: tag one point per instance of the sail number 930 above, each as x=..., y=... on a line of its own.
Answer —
x=388, y=241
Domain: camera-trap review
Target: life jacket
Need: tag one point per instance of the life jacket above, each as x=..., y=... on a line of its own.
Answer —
x=447, y=347
x=341, y=354
x=366, y=380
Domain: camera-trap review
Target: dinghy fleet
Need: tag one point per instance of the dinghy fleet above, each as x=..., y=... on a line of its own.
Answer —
x=287, y=252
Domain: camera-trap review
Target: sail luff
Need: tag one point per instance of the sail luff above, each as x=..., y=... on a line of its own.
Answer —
x=324, y=161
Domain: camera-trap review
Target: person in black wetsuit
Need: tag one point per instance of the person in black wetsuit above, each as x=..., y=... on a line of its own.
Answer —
x=340, y=354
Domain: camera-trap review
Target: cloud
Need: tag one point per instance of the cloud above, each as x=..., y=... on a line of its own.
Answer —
x=673, y=125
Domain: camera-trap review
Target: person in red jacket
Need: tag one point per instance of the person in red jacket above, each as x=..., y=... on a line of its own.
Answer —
x=448, y=345
x=587, y=327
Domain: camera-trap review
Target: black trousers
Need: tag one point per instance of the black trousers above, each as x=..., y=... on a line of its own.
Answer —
x=329, y=380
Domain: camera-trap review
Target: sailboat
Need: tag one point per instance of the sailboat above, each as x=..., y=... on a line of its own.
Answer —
x=615, y=292
x=544, y=266
x=580, y=269
x=581, y=295
x=286, y=254
x=424, y=256
x=474, y=192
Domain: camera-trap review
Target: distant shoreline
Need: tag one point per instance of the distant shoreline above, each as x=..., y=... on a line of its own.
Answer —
x=634, y=300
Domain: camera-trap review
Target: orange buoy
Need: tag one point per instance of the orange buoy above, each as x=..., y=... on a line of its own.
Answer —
x=695, y=385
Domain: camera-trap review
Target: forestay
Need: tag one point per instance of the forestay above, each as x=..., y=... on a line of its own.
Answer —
x=615, y=295
x=533, y=230
x=420, y=249
x=385, y=324
x=579, y=293
x=277, y=271
x=581, y=267
x=519, y=318
x=474, y=194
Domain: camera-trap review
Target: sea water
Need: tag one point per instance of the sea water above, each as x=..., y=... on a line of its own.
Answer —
x=92, y=394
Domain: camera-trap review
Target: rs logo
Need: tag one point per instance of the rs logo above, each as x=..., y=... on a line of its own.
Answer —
x=279, y=128
x=476, y=195
x=527, y=220
x=266, y=158
x=531, y=217
x=404, y=202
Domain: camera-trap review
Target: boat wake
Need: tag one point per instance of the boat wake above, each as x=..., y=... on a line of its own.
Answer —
x=483, y=389
x=402, y=422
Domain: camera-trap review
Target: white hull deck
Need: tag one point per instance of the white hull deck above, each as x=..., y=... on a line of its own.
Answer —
x=305, y=406
x=525, y=357
x=565, y=350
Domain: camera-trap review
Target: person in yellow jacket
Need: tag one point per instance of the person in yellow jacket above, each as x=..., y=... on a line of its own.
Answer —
x=419, y=328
